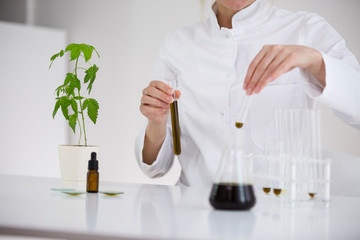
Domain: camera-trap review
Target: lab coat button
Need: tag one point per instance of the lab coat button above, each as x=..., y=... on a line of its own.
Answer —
x=227, y=36
x=221, y=113
x=228, y=75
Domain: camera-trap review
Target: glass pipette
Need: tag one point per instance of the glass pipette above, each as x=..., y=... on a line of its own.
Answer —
x=244, y=109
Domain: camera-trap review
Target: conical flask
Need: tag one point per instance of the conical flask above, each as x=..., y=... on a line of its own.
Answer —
x=232, y=188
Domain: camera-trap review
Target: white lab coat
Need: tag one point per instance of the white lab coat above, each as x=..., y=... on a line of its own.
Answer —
x=210, y=64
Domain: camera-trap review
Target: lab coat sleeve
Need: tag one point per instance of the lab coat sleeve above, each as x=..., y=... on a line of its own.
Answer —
x=162, y=72
x=163, y=161
x=342, y=91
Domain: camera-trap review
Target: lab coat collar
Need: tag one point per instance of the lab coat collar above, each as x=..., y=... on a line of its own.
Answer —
x=249, y=16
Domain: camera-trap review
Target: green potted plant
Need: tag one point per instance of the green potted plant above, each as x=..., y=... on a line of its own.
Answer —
x=75, y=104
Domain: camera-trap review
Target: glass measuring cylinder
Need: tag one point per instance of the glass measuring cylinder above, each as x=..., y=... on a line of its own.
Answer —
x=233, y=189
x=175, y=120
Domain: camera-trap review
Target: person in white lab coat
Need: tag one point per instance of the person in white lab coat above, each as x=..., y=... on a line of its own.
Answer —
x=286, y=59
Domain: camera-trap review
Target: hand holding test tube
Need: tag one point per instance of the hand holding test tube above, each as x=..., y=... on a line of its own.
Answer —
x=244, y=109
x=175, y=120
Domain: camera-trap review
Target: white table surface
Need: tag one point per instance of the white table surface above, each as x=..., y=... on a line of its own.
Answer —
x=28, y=207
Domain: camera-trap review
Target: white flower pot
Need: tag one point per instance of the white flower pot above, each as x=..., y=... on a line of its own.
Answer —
x=74, y=163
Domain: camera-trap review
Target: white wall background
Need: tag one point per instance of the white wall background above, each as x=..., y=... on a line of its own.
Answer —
x=128, y=34
x=28, y=134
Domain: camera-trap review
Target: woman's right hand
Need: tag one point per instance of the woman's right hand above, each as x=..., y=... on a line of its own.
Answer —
x=156, y=100
x=155, y=105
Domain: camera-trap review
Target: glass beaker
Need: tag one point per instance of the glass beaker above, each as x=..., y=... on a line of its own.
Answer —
x=233, y=189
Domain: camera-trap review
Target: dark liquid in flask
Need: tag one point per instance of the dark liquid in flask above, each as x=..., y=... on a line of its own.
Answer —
x=175, y=127
x=232, y=196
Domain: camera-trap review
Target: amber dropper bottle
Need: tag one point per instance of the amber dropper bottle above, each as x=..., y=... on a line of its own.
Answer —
x=92, y=180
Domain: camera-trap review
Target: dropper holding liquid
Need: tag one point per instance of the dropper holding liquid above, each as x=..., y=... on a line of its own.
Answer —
x=244, y=109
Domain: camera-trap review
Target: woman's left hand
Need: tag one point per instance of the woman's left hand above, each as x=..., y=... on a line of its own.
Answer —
x=274, y=60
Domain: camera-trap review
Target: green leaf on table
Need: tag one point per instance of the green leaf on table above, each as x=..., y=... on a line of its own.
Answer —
x=92, y=109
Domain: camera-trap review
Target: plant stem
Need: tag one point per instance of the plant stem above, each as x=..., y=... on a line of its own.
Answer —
x=80, y=131
x=83, y=119
x=82, y=112
x=81, y=68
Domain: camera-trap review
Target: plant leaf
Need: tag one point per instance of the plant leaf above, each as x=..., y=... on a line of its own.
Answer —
x=72, y=121
x=75, y=53
x=74, y=49
x=90, y=76
x=95, y=51
x=71, y=82
x=68, y=78
x=90, y=73
x=65, y=111
x=87, y=51
x=64, y=103
x=71, y=46
x=78, y=98
x=92, y=109
x=70, y=89
x=53, y=57
x=74, y=105
x=84, y=106
x=59, y=89
x=56, y=108
x=76, y=82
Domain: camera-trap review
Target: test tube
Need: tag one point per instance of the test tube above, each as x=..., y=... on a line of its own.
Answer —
x=269, y=161
x=244, y=109
x=316, y=152
x=175, y=119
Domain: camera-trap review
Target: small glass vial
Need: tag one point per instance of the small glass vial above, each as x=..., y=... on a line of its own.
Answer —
x=92, y=180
